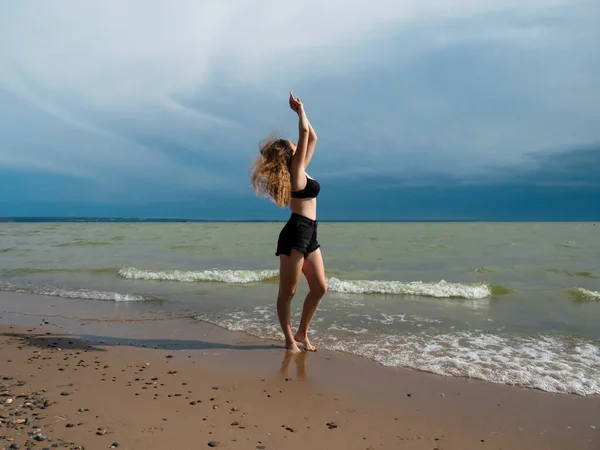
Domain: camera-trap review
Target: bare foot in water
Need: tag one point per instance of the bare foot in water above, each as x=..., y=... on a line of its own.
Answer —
x=304, y=341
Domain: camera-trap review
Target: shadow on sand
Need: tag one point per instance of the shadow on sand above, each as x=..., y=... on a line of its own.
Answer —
x=92, y=342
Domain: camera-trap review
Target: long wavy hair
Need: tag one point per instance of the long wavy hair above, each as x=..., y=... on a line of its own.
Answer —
x=270, y=172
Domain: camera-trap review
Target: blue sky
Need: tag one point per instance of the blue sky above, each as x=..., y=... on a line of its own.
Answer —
x=456, y=109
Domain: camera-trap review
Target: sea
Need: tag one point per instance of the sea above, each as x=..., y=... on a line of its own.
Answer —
x=511, y=303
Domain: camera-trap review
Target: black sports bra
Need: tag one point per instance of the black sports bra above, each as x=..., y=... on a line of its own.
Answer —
x=311, y=190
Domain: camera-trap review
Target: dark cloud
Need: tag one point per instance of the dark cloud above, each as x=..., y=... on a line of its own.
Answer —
x=578, y=166
x=559, y=185
x=574, y=166
x=555, y=186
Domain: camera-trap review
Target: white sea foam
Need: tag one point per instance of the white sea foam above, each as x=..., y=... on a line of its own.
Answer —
x=85, y=294
x=587, y=294
x=441, y=289
x=549, y=363
x=217, y=275
x=240, y=321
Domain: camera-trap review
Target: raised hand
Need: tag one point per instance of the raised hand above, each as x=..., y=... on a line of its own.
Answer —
x=295, y=104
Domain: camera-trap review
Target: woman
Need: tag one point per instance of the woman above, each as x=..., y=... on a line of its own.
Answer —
x=279, y=174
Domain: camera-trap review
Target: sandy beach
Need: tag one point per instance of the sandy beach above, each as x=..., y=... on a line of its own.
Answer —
x=411, y=187
x=94, y=384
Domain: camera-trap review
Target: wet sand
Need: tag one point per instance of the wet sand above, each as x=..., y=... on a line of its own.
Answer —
x=173, y=384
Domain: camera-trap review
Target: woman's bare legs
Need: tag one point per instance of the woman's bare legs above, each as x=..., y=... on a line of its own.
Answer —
x=314, y=270
x=290, y=269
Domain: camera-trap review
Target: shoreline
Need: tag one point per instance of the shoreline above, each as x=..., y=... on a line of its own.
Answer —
x=373, y=406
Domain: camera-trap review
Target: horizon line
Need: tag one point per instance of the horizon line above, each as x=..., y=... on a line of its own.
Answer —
x=70, y=219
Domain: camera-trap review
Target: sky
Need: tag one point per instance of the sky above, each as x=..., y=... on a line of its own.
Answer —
x=438, y=110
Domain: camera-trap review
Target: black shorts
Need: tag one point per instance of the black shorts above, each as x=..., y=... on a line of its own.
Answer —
x=299, y=233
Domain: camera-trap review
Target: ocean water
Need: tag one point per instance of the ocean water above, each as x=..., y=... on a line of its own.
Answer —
x=513, y=303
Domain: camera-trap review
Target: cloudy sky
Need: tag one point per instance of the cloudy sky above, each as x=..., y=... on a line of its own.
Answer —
x=447, y=109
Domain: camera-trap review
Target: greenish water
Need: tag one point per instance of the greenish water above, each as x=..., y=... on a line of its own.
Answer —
x=515, y=303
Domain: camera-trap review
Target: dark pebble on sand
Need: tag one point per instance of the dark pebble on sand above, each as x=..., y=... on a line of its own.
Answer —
x=7, y=378
x=64, y=393
x=14, y=446
x=114, y=445
x=409, y=395
x=215, y=388
x=213, y=444
x=331, y=425
x=40, y=438
x=261, y=447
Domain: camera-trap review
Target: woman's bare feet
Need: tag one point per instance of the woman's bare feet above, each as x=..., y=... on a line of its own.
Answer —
x=304, y=341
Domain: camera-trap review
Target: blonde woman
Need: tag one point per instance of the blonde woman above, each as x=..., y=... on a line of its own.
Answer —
x=280, y=174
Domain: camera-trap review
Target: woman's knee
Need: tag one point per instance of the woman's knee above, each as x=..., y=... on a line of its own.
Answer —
x=287, y=292
x=319, y=288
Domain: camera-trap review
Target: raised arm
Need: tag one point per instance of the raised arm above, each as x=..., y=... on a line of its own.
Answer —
x=312, y=143
x=298, y=175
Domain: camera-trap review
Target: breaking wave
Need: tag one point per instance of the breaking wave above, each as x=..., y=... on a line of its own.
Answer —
x=585, y=295
x=222, y=276
x=85, y=294
x=441, y=289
